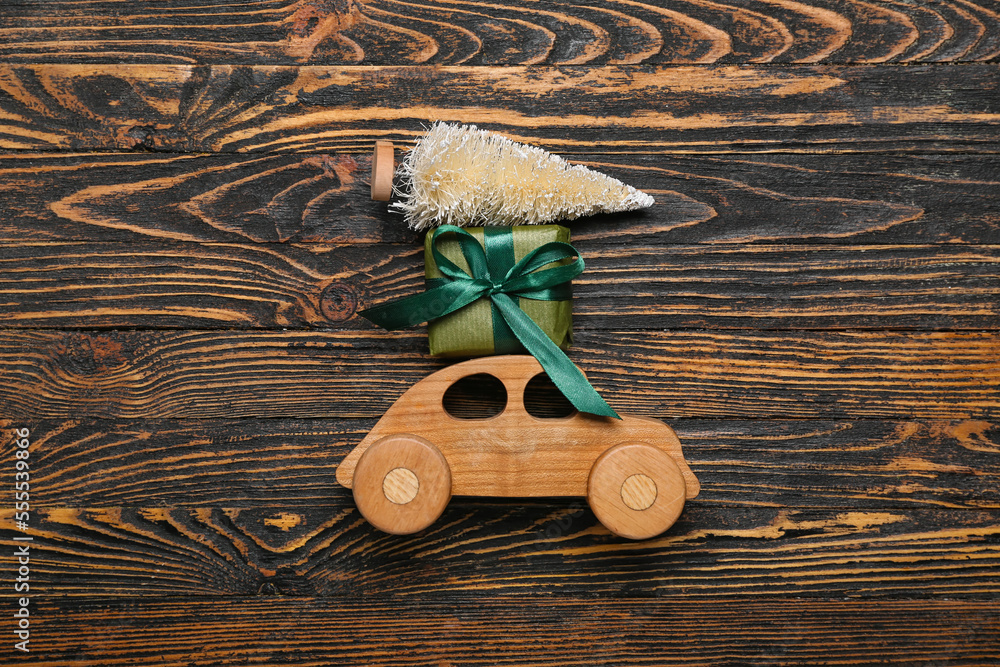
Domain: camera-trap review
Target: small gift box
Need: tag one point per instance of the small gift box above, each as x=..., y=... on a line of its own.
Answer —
x=478, y=328
x=494, y=290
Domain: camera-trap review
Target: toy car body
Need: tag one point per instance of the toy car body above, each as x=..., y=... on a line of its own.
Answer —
x=418, y=448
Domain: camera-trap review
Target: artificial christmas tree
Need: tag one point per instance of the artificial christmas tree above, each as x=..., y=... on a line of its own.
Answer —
x=461, y=175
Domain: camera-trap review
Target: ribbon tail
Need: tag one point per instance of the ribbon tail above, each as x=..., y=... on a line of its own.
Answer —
x=429, y=305
x=563, y=373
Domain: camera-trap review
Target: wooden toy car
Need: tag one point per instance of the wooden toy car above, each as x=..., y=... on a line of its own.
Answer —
x=417, y=456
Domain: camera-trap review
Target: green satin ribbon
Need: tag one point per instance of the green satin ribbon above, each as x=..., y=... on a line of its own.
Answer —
x=498, y=242
x=527, y=279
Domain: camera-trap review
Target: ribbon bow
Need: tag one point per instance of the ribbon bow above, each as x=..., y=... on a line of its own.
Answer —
x=526, y=279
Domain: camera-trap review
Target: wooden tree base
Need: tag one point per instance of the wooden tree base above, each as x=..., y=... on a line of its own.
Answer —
x=383, y=166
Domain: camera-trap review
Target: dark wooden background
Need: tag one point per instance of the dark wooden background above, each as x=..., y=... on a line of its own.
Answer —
x=813, y=302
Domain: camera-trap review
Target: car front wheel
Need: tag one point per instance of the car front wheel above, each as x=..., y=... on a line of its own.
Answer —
x=636, y=490
x=402, y=484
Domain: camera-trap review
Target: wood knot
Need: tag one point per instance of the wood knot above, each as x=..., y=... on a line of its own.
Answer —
x=92, y=354
x=267, y=588
x=339, y=302
x=151, y=138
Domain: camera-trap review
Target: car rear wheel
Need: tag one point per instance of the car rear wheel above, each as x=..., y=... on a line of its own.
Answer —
x=636, y=490
x=402, y=484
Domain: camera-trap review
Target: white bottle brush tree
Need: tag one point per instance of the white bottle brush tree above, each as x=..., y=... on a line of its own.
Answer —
x=461, y=175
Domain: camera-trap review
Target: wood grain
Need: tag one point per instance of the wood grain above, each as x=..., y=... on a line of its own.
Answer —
x=166, y=284
x=522, y=548
x=402, y=633
x=392, y=32
x=290, y=464
x=325, y=198
x=663, y=374
x=610, y=109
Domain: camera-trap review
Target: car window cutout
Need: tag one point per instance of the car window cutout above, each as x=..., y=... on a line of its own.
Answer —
x=544, y=401
x=478, y=396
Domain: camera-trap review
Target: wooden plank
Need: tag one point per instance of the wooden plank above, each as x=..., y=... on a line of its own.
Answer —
x=562, y=631
x=665, y=374
x=520, y=547
x=611, y=109
x=290, y=463
x=176, y=284
x=390, y=32
x=325, y=198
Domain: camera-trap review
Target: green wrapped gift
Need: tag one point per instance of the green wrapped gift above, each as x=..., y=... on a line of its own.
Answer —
x=508, y=270
x=477, y=329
